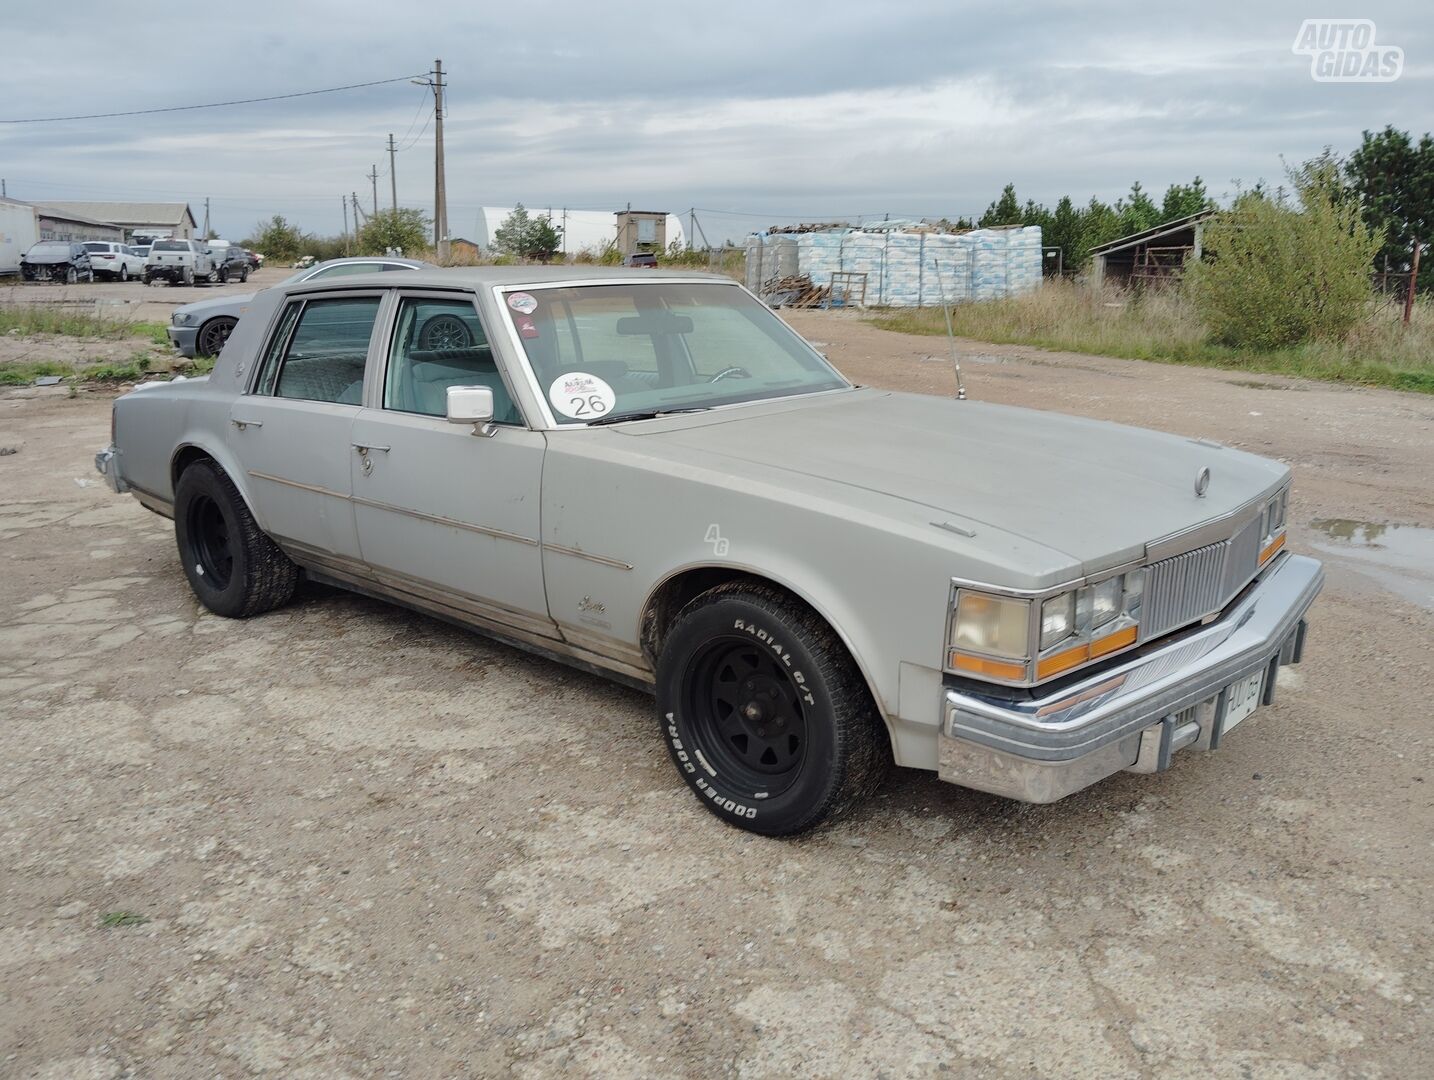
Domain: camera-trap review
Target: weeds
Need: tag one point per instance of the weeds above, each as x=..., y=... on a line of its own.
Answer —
x=39, y=320
x=112, y=919
x=1161, y=327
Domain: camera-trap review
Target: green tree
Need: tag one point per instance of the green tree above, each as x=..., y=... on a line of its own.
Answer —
x=526, y=236
x=402, y=231
x=1278, y=274
x=1182, y=200
x=1004, y=211
x=1137, y=211
x=1394, y=178
x=276, y=239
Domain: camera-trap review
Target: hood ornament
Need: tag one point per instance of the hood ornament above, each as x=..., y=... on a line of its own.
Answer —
x=1202, y=481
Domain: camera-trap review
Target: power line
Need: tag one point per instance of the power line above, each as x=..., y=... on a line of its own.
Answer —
x=210, y=105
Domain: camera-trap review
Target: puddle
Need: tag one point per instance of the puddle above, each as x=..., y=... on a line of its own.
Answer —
x=1399, y=557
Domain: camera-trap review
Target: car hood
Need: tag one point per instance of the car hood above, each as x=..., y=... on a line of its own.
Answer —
x=1095, y=491
x=228, y=304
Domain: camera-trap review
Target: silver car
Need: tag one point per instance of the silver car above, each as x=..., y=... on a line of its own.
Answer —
x=651, y=476
x=202, y=328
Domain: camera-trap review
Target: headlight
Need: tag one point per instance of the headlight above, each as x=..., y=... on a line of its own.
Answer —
x=181, y=318
x=994, y=625
x=1057, y=619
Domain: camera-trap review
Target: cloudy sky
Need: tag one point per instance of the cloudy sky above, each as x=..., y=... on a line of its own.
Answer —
x=755, y=113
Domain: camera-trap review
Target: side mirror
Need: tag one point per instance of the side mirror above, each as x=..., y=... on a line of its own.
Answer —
x=472, y=405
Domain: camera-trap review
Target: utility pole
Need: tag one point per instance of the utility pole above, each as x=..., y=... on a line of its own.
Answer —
x=206, y=219
x=691, y=226
x=345, y=200
x=440, y=187
x=392, y=173
x=1413, y=281
x=3, y=195
x=357, y=211
x=373, y=179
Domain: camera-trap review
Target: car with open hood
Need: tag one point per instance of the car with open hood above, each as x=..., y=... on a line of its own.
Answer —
x=651, y=476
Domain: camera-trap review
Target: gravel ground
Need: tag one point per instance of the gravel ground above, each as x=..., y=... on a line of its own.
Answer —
x=363, y=843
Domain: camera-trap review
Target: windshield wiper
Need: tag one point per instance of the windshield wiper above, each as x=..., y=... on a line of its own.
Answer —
x=646, y=414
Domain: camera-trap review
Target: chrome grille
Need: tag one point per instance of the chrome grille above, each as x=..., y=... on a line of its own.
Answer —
x=1185, y=588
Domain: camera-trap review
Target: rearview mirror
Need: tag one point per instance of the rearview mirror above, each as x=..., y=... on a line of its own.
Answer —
x=654, y=322
x=472, y=405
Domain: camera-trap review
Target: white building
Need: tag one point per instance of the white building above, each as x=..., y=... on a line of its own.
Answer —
x=590, y=230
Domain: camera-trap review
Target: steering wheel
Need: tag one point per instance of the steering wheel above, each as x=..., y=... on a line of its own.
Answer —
x=731, y=373
x=445, y=332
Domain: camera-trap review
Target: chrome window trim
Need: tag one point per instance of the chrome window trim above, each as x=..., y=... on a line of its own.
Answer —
x=520, y=354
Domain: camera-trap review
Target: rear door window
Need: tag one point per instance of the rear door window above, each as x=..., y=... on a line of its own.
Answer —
x=319, y=350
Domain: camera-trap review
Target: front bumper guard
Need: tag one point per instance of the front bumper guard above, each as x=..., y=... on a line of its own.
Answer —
x=107, y=465
x=1136, y=715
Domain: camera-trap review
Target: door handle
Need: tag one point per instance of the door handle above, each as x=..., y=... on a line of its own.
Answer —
x=242, y=424
x=364, y=449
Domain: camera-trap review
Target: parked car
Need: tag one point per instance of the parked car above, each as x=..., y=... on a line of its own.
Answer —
x=229, y=262
x=641, y=258
x=256, y=261
x=118, y=261
x=142, y=250
x=202, y=328
x=57, y=260
x=179, y=262
x=659, y=480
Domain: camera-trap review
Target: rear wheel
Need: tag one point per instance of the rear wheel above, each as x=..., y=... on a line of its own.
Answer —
x=213, y=334
x=232, y=566
x=764, y=712
x=243, y=275
x=187, y=275
x=223, y=275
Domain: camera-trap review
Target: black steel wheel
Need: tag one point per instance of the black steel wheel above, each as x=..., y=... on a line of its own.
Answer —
x=232, y=566
x=765, y=714
x=213, y=334
x=744, y=708
x=445, y=332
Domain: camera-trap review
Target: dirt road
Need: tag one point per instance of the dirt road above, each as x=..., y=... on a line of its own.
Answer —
x=366, y=844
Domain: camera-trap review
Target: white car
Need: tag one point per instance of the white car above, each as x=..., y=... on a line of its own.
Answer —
x=118, y=261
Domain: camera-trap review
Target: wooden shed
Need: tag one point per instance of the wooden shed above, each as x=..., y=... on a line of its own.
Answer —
x=1152, y=257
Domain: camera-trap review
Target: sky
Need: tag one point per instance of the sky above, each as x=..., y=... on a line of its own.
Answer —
x=753, y=113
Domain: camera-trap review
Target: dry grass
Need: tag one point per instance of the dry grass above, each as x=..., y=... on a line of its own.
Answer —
x=1161, y=327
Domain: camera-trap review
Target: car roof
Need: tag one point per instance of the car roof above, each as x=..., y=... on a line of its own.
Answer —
x=484, y=277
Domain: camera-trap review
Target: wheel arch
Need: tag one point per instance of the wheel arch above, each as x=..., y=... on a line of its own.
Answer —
x=187, y=453
x=683, y=585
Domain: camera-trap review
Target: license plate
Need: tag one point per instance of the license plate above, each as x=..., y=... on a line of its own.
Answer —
x=1242, y=697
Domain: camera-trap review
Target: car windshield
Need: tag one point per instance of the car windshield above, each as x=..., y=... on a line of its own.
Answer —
x=643, y=348
x=50, y=247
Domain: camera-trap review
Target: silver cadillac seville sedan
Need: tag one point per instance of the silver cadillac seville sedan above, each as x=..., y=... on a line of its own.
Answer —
x=652, y=477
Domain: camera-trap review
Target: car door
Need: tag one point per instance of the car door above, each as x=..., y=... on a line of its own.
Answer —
x=291, y=430
x=443, y=512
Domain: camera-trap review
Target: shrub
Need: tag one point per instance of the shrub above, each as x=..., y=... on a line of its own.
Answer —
x=1277, y=276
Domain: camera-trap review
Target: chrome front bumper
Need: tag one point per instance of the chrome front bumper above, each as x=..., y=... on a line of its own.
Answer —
x=1135, y=715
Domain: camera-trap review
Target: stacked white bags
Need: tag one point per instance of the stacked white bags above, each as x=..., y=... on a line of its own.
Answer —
x=908, y=269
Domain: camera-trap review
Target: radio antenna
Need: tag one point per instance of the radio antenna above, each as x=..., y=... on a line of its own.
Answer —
x=950, y=333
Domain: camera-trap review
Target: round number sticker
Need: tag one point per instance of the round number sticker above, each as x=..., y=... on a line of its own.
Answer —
x=523, y=303
x=581, y=396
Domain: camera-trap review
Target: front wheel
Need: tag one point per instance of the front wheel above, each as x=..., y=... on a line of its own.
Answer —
x=213, y=334
x=71, y=276
x=232, y=566
x=764, y=712
x=124, y=273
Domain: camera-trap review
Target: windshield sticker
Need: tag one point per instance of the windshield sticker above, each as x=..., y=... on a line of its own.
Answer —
x=523, y=303
x=526, y=328
x=581, y=396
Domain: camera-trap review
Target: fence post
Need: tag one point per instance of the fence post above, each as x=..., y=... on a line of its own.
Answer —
x=1413, y=281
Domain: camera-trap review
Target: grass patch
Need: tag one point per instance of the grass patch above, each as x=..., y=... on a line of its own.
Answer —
x=58, y=320
x=1161, y=327
x=111, y=919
